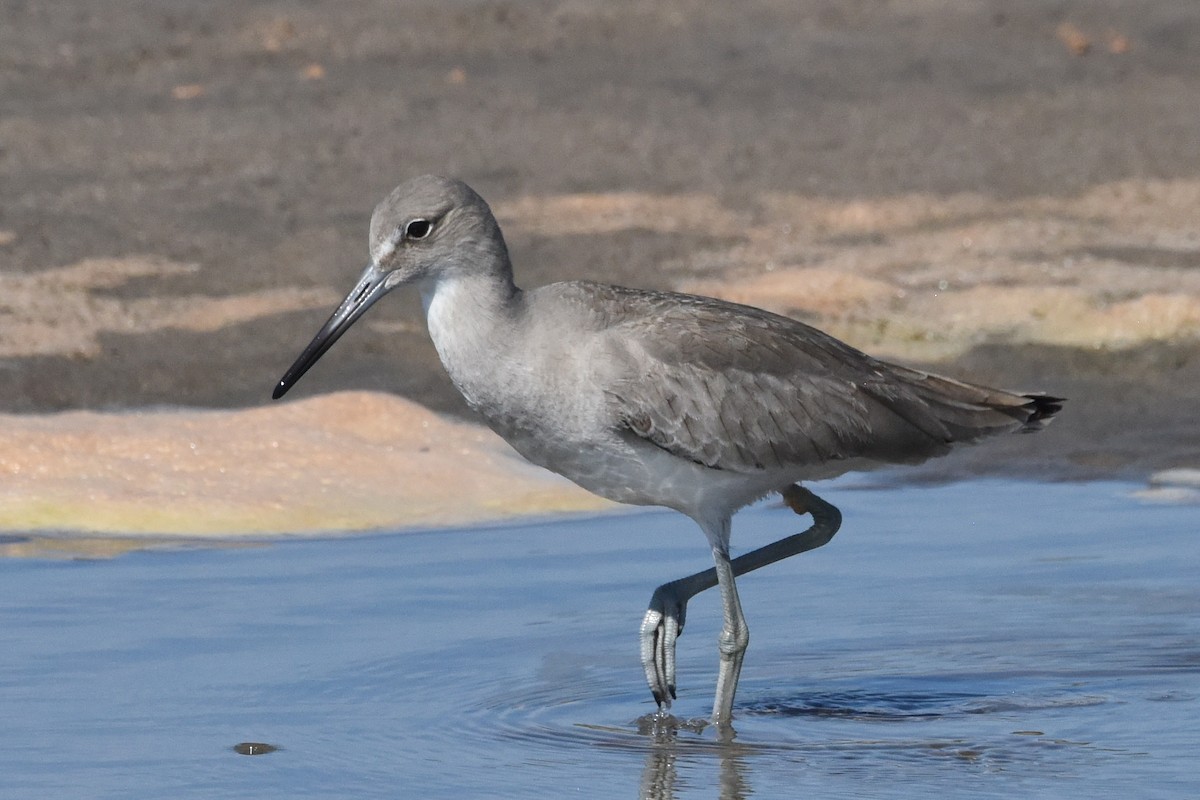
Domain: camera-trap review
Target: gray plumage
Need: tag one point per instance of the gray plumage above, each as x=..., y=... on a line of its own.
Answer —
x=658, y=398
x=737, y=388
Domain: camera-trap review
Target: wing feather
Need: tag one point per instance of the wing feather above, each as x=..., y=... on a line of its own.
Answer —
x=737, y=388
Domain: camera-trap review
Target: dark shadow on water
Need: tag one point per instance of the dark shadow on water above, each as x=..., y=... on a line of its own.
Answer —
x=866, y=705
x=905, y=705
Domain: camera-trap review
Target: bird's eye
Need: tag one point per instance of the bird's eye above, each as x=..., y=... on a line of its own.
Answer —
x=418, y=229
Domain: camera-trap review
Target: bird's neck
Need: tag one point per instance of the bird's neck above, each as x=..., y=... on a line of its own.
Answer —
x=478, y=275
x=472, y=319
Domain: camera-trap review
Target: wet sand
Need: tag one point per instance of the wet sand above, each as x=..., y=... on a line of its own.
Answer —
x=1003, y=191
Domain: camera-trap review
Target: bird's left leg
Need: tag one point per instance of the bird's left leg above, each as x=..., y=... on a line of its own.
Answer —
x=664, y=619
x=662, y=625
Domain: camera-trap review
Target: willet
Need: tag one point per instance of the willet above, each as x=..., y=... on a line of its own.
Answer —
x=655, y=398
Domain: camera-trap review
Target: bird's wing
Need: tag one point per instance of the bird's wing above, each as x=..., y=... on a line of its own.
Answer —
x=736, y=388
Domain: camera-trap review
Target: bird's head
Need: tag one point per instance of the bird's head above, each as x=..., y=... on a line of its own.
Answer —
x=426, y=230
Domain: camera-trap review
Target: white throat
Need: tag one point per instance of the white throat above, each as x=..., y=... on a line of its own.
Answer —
x=470, y=322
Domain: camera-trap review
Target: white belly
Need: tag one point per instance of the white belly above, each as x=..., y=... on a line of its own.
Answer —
x=628, y=470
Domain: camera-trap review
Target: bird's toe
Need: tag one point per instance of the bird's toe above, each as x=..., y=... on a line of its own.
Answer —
x=661, y=627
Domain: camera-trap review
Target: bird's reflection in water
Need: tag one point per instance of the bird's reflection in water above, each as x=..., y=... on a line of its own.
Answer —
x=659, y=777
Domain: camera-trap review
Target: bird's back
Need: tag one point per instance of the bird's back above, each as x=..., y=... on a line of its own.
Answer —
x=737, y=388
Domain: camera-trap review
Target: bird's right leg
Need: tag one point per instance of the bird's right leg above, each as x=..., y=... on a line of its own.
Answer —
x=664, y=619
x=661, y=627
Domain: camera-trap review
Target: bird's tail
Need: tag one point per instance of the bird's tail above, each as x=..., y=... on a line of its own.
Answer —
x=970, y=411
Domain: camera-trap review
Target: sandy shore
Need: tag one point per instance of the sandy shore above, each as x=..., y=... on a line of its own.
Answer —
x=339, y=463
x=1000, y=190
x=1110, y=274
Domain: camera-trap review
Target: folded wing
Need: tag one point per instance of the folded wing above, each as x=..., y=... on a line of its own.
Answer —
x=736, y=388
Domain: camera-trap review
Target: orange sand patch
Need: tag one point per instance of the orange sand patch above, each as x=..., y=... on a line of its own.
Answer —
x=343, y=462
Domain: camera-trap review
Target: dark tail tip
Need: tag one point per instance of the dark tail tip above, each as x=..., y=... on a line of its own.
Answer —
x=1041, y=408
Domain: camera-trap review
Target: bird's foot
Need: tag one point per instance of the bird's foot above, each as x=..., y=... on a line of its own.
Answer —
x=661, y=626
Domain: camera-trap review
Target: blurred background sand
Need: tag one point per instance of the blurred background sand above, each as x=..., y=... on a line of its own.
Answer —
x=1006, y=190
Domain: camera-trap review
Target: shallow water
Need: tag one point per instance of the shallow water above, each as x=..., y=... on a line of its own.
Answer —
x=977, y=640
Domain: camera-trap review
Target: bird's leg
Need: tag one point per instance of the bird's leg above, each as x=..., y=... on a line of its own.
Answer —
x=732, y=643
x=826, y=521
x=664, y=619
x=662, y=625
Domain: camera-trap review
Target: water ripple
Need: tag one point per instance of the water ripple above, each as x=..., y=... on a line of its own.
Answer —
x=904, y=706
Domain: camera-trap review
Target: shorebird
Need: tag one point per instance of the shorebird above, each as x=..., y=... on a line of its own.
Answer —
x=657, y=398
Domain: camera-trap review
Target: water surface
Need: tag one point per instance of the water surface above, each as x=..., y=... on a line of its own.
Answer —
x=978, y=640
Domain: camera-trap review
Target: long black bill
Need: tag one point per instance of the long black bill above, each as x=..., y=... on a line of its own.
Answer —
x=371, y=286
